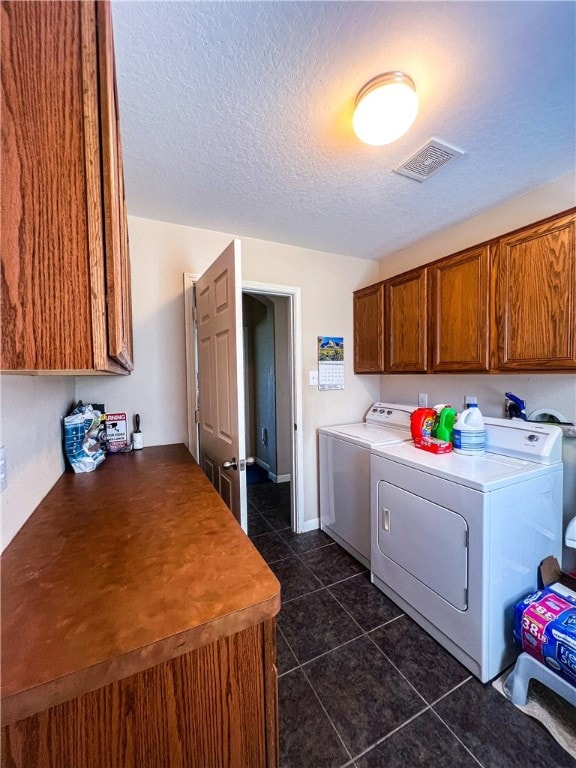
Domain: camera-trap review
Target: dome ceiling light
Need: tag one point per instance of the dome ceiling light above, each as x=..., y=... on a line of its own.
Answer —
x=386, y=107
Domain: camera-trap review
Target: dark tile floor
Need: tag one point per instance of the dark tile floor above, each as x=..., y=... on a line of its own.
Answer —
x=361, y=685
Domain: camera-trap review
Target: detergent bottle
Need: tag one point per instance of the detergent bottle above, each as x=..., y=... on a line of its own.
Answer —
x=445, y=423
x=421, y=423
x=469, y=435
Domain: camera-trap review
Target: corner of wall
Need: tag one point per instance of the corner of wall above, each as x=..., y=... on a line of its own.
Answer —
x=30, y=418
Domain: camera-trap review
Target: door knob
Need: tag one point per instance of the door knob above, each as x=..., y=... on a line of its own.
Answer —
x=233, y=463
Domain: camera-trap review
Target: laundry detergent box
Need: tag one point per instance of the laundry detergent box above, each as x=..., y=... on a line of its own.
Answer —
x=545, y=628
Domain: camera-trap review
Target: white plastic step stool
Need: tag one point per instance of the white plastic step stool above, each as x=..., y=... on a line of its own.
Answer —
x=528, y=668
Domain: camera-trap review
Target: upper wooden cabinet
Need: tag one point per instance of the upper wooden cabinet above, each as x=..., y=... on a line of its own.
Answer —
x=460, y=286
x=535, y=297
x=504, y=305
x=405, y=329
x=368, y=329
x=66, y=303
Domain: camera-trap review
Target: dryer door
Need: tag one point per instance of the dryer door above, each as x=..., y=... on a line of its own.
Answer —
x=428, y=541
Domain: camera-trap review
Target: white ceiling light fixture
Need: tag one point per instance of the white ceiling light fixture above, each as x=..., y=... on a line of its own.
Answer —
x=385, y=109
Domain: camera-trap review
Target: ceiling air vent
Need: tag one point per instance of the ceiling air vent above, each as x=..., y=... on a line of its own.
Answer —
x=428, y=160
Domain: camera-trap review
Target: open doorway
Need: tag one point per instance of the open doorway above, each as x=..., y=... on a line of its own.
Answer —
x=268, y=407
x=275, y=403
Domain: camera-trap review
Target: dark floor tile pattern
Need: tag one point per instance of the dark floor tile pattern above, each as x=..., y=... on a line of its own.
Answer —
x=369, y=607
x=361, y=685
x=498, y=734
x=331, y=564
x=285, y=659
x=295, y=578
x=304, y=542
x=363, y=694
x=316, y=623
x=425, y=742
x=307, y=737
x=431, y=670
x=272, y=547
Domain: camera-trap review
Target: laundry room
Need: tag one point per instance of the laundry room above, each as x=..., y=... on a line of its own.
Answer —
x=167, y=163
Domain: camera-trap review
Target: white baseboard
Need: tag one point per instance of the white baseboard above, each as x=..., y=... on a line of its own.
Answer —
x=279, y=478
x=310, y=525
x=262, y=464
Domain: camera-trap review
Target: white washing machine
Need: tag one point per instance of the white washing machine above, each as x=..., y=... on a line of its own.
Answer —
x=345, y=473
x=457, y=540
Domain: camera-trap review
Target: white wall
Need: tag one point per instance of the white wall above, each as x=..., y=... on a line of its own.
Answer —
x=537, y=204
x=161, y=253
x=31, y=431
x=557, y=391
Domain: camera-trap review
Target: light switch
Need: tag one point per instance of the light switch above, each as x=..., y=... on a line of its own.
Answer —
x=313, y=378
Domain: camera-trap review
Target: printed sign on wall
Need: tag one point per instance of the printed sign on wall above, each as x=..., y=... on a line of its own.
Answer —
x=330, y=362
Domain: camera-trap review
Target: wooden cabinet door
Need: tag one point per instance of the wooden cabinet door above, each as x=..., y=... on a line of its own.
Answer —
x=369, y=329
x=56, y=220
x=46, y=238
x=118, y=291
x=459, y=313
x=535, y=297
x=406, y=322
x=214, y=706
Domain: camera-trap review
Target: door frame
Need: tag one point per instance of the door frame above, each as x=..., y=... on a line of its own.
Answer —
x=293, y=293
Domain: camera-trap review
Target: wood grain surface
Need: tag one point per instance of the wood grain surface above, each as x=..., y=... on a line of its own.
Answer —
x=119, y=570
x=209, y=708
x=369, y=329
x=54, y=303
x=535, y=303
x=406, y=327
x=460, y=311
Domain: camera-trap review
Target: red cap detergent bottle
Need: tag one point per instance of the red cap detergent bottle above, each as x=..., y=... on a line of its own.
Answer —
x=421, y=423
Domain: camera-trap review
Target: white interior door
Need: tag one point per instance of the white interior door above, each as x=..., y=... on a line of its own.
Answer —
x=221, y=380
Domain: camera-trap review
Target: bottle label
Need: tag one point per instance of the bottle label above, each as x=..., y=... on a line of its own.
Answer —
x=469, y=440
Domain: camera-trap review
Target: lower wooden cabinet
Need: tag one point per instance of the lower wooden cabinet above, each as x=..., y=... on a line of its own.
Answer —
x=215, y=707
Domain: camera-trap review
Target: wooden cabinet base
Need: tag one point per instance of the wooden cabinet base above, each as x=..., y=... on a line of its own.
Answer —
x=215, y=707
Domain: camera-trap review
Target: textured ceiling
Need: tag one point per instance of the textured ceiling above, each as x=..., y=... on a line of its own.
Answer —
x=237, y=116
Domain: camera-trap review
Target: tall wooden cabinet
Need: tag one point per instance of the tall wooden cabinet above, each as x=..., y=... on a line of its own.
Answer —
x=535, y=297
x=460, y=286
x=66, y=303
x=368, y=336
x=406, y=299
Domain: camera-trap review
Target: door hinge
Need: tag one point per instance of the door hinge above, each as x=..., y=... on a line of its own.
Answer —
x=197, y=416
x=295, y=427
x=194, y=314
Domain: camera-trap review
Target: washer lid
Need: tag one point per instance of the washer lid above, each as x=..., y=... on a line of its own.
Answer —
x=367, y=435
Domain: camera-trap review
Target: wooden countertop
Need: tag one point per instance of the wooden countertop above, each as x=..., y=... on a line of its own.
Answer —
x=118, y=570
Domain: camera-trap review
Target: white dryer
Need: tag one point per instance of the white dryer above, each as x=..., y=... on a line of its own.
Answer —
x=457, y=540
x=345, y=473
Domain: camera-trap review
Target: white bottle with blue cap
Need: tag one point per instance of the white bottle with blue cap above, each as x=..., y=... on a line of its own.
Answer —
x=469, y=435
